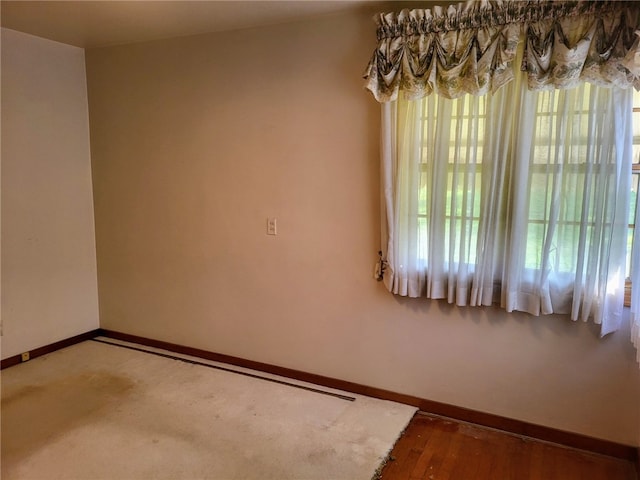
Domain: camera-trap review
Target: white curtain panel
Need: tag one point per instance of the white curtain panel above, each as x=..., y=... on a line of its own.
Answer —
x=519, y=197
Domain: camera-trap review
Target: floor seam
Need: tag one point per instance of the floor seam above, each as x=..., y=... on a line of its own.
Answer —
x=230, y=370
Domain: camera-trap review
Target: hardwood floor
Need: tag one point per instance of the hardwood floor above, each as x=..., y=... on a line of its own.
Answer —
x=438, y=448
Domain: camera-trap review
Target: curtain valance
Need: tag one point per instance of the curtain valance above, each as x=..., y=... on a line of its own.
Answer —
x=472, y=48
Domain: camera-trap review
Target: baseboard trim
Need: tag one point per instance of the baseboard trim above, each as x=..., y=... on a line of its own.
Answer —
x=569, y=439
x=52, y=347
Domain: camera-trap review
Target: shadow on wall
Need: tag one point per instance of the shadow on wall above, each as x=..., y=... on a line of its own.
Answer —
x=559, y=325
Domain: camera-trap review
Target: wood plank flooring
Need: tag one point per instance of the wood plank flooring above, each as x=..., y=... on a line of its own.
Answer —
x=438, y=448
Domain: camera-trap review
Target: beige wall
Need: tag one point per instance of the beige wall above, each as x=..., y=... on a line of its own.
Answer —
x=196, y=141
x=49, y=283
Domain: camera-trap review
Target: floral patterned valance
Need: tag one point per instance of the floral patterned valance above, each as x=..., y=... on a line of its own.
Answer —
x=471, y=48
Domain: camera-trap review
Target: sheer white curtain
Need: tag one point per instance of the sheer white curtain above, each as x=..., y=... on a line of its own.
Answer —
x=519, y=197
x=573, y=157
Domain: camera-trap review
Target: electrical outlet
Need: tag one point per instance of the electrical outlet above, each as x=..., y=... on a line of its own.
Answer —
x=272, y=226
x=25, y=357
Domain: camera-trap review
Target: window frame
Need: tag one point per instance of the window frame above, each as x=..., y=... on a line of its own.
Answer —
x=465, y=115
x=635, y=170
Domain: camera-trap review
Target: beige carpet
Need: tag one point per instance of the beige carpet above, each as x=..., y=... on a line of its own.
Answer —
x=98, y=411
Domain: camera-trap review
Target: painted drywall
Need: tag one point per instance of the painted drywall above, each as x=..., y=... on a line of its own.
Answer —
x=49, y=279
x=196, y=141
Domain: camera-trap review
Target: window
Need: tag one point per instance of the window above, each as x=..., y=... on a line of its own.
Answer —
x=464, y=127
x=460, y=210
x=518, y=198
x=526, y=195
x=633, y=199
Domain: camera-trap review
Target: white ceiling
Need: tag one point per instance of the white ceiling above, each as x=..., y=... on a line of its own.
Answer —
x=90, y=24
